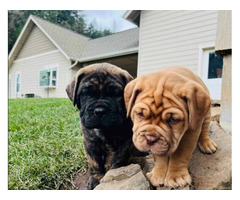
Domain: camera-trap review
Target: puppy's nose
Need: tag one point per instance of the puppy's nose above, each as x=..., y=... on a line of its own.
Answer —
x=151, y=139
x=99, y=112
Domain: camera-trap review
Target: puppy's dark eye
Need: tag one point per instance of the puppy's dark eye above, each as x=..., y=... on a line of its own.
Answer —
x=140, y=115
x=88, y=91
x=114, y=91
x=173, y=120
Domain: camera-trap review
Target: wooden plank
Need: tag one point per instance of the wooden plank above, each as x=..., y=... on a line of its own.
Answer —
x=226, y=101
x=224, y=30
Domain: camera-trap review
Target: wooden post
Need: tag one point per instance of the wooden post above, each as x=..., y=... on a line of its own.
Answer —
x=224, y=48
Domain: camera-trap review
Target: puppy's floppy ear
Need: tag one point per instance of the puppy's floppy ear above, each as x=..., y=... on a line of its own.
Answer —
x=72, y=87
x=126, y=77
x=130, y=94
x=198, y=102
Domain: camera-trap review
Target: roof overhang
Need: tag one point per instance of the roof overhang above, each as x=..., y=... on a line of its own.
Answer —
x=23, y=37
x=107, y=55
x=132, y=16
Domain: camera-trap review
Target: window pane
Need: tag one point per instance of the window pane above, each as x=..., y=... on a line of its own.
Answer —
x=18, y=78
x=215, y=65
x=54, y=74
x=53, y=83
x=44, y=78
x=18, y=87
x=18, y=83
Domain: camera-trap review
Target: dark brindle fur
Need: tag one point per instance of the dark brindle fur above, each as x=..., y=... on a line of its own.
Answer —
x=97, y=90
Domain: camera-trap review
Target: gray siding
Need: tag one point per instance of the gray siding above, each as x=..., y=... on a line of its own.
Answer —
x=36, y=43
x=172, y=38
x=30, y=68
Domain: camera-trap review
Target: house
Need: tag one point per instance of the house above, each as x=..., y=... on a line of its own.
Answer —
x=46, y=56
x=194, y=39
x=179, y=38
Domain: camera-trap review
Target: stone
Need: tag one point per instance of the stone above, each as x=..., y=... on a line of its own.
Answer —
x=213, y=171
x=124, y=178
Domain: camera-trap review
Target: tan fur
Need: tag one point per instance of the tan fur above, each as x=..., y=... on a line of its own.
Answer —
x=155, y=99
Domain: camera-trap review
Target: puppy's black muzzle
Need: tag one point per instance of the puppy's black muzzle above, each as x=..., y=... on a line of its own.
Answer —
x=99, y=112
x=102, y=113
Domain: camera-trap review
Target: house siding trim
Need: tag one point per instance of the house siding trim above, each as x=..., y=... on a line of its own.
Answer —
x=9, y=85
x=108, y=55
x=36, y=56
x=20, y=37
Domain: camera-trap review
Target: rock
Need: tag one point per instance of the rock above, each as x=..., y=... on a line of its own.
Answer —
x=124, y=178
x=213, y=171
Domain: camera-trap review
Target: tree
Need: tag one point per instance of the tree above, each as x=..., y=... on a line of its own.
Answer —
x=71, y=19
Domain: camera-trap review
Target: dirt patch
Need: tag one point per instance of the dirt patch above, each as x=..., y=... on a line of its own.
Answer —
x=80, y=181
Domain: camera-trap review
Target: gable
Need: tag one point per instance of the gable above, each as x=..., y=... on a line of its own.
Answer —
x=36, y=43
x=39, y=36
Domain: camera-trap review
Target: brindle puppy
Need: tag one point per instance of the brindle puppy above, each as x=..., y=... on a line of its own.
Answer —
x=97, y=90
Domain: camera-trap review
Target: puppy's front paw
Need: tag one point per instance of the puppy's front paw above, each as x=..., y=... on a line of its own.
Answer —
x=156, y=178
x=92, y=182
x=206, y=145
x=178, y=178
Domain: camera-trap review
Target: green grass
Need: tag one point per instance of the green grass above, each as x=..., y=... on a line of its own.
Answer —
x=45, y=148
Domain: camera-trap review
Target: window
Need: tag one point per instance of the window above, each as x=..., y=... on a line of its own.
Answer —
x=48, y=78
x=215, y=65
x=17, y=82
x=211, y=71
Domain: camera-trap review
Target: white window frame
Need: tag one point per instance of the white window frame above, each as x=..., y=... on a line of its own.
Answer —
x=202, y=72
x=51, y=68
x=18, y=92
x=202, y=48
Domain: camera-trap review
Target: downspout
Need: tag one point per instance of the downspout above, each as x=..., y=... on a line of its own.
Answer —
x=73, y=65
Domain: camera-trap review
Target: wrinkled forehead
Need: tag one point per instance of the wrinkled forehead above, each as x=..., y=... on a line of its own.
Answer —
x=149, y=104
x=102, y=79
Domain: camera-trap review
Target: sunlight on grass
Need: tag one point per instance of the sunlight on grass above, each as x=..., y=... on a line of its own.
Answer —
x=45, y=149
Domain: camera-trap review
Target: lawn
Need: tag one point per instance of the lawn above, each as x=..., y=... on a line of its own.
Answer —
x=45, y=149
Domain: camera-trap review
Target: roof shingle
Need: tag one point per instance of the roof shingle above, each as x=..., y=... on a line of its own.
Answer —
x=69, y=41
x=116, y=42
